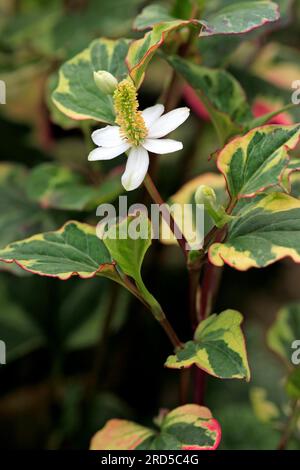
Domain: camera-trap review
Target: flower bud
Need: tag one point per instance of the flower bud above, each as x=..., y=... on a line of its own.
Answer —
x=105, y=81
x=206, y=196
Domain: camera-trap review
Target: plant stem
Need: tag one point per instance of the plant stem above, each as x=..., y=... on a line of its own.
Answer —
x=171, y=333
x=210, y=284
x=290, y=425
x=167, y=216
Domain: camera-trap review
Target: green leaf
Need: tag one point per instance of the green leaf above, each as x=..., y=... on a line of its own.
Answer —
x=222, y=95
x=73, y=250
x=58, y=187
x=266, y=229
x=76, y=94
x=129, y=252
x=240, y=18
x=257, y=160
x=284, y=331
x=76, y=250
x=293, y=385
x=235, y=19
x=141, y=51
x=218, y=348
x=189, y=427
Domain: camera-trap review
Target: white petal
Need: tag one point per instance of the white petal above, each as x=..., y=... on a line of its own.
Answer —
x=168, y=123
x=162, y=146
x=150, y=115
x=109, y=136
x=105, y=153
x=136, y=168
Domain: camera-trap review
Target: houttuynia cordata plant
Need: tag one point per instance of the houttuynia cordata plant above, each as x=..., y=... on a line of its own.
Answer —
x=174, y=172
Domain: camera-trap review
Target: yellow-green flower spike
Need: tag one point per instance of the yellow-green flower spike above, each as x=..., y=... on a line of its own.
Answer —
x=129, y=118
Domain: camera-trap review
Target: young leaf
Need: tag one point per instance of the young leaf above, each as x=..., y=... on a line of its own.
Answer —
x=218, y=348
x=76, y=94
x=222, y=95
x=73, y=250
x=189, y=427
x=128, y=252
x=284, y=331
x=266, y=230
x=257, y=160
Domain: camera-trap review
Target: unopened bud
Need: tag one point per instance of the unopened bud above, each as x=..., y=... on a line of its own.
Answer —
x=105, y=81
x=205, y=195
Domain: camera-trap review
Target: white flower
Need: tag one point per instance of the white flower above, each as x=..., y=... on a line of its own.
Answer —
x=111, y=143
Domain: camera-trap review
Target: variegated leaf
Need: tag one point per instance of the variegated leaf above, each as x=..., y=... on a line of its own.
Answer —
x=238, y=18
x=76, y=94
x=284, y=331
x=76, y=249
x=218, y=348
x=220, y=92
x=257, y=160
x=266, y=229
x=189, y=427
x=241, y=17
x=141, y=51
x=73, y=250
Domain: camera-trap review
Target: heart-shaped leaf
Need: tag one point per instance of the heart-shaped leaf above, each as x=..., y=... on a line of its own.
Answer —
x=128, y=250
x=73, y=250
x=76, y=250
x=76, y=94
x=257, y=160
x=189, y=427
x=265, y=230
x=218, y=348
x=239, y=18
